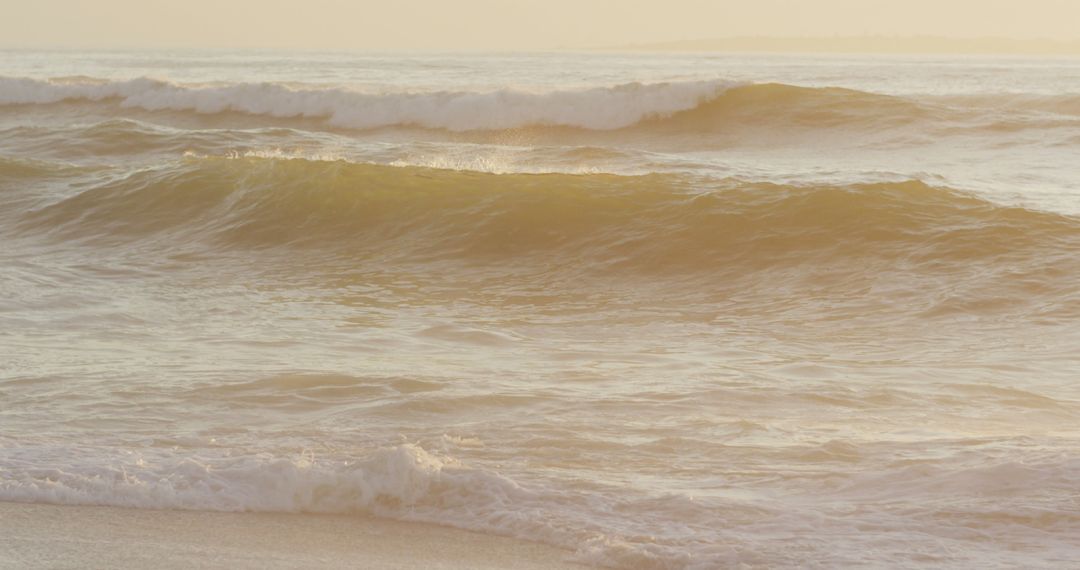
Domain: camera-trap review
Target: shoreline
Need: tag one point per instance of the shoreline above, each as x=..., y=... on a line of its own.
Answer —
x=34, y=535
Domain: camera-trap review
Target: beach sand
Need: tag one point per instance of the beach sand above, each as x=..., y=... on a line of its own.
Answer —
x=51, y=536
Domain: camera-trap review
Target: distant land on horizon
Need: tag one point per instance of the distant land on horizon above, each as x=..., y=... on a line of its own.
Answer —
x=864, y=44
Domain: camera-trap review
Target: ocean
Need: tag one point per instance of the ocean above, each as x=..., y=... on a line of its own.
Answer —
x=662, y=311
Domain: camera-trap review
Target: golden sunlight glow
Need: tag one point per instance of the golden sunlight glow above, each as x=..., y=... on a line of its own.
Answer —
x=512, y=24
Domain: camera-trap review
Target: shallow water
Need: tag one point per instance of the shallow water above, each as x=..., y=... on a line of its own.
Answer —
x=688, y=311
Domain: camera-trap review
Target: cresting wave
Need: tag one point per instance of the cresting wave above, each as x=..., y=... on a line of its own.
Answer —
x=689, y=106
x=596, y=108
x=656, y=222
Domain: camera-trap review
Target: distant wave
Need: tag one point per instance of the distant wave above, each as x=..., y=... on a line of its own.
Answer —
x=601, y=108
x=692, y=106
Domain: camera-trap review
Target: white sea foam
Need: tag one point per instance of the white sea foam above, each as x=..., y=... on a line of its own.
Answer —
x=604, y=526
x=403, y=482
x=600, y=108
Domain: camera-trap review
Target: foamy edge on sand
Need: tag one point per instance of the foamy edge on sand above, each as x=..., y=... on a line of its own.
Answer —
x=403, y=482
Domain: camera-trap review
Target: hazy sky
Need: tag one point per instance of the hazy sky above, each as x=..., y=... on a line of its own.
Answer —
x=508, y=24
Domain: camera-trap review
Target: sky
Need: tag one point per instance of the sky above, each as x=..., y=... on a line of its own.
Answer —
x=508, y=24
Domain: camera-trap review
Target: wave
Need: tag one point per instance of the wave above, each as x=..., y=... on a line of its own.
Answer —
x=603, y=525
x=21, y=181
x=793, y=106
x=127, y=140
x=404, y=482
x=602, y=108
x=14, y=169
x=605, y=222
x=693, y=107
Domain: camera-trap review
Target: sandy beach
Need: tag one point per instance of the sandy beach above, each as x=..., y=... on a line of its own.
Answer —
x=51, y=536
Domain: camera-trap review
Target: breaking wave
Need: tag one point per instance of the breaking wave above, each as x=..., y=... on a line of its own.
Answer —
x=601, y=108
x=687, y=106
x=603, y=526
x=404, y=482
